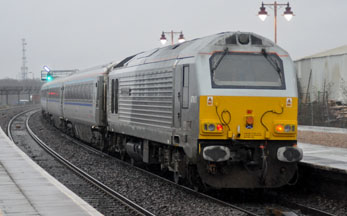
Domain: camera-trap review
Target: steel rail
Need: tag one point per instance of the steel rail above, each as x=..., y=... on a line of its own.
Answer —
x=304, y=209
x=137, y=208
x=83, y=145
x=9, y=134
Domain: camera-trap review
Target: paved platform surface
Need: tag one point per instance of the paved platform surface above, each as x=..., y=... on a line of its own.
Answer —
x=27, y=189
x=322, y=129
x=324, y=157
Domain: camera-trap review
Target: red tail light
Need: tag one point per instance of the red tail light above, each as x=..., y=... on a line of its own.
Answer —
x=279, y=128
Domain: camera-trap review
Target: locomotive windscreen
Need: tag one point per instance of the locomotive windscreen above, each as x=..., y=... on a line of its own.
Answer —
x=247, y=70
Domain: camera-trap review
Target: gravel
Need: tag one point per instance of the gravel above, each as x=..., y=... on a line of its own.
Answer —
x=163, y=198
x=8, y=113
x=317, y=200
x=159, y=197
x=92, y=195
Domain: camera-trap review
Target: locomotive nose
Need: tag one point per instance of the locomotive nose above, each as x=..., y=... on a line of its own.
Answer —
x=289, y=154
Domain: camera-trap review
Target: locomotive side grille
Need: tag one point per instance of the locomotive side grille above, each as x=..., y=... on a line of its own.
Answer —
x=146, y=98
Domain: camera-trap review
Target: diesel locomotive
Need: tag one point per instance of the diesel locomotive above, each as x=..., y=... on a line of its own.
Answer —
x=220, y=111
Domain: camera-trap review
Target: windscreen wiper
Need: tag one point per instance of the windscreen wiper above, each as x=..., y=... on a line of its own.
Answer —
x=272, y=62
x=220, y=59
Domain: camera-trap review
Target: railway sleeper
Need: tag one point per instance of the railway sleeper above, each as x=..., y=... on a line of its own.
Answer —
x=133, y=149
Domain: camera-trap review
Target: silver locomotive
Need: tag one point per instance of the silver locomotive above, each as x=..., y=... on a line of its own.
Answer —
x=218, y=111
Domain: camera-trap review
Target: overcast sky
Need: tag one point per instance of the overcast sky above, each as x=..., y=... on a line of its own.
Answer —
x=71, y=34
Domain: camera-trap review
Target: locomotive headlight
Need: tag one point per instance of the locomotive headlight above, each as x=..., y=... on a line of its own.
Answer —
x=287, y=128
x=211, y=127
x=243, y=38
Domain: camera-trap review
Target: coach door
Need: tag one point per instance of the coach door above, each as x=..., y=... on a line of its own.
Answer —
x=181, y=94
x=100, y=109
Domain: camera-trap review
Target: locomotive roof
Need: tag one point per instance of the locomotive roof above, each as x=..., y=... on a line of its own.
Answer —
x=195, y=47
x=187, y=49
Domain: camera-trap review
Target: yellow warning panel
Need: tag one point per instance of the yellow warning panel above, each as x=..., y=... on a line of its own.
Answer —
x=234, y=113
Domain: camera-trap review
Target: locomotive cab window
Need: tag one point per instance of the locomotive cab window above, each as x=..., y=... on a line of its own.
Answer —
x=247, y=70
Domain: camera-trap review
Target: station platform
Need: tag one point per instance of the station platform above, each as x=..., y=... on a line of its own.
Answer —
x=27, y=189
x=322, y=129
x=324, y=157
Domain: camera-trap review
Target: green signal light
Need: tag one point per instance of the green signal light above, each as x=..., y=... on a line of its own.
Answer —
x=49, y=77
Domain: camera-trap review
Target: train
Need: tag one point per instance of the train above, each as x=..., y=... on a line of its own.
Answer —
x=218, y=111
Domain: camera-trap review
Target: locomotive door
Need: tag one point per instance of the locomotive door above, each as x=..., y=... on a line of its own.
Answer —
x=181, y=100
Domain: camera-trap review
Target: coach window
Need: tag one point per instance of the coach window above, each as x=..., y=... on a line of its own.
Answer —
x=112, y=96
x=116, y=97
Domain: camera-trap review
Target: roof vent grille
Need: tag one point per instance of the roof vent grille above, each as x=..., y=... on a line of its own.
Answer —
x=231, y=39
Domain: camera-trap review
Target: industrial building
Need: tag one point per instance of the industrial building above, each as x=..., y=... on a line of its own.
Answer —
x=323, y=76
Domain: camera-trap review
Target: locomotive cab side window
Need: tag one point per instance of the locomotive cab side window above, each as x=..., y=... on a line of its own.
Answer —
x=247, y=70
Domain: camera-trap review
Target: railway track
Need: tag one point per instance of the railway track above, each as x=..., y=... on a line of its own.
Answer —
x=120, y=204
x=290, y=208
x=283, y=207
x=192, y=191
x=7, y=113
x=211, y=200
x=249, y=209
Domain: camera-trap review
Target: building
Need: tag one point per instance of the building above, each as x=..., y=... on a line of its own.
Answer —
x=323, y=76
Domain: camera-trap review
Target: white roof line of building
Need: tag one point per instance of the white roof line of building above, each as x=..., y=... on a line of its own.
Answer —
x=342, y=50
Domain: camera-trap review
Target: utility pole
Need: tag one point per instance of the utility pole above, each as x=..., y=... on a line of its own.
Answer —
x=24, y=68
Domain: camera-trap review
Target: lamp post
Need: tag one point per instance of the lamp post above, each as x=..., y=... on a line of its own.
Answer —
x=180, y=38
x=288, y=13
